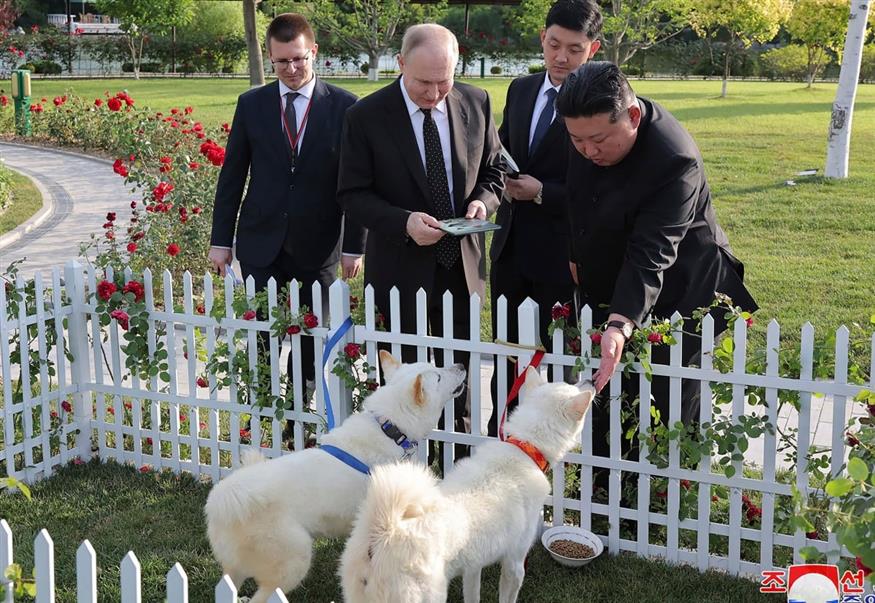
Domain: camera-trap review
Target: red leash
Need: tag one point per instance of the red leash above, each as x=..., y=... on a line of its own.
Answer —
x=515, y=390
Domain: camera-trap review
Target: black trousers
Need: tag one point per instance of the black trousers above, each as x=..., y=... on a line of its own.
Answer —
x=506, y=279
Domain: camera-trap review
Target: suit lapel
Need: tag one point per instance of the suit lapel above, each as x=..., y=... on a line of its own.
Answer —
x=523, y=117
x=458, y=117
x=550, y=138
x=405, y=139
x=318, y=120
x=270, y=108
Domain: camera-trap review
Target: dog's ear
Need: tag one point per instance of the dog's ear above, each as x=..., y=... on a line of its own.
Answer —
x=533, y=379
x=579, y=404
x=418, y=391
x=388, y=364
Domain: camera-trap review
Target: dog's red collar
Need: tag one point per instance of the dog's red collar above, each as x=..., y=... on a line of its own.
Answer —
x=531, y=451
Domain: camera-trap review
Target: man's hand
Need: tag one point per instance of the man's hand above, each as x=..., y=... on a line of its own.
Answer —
x=423, y=229
x=523, y=188
x=350, y=266
x=219, y=258
x=612, y=350
x=476, y=210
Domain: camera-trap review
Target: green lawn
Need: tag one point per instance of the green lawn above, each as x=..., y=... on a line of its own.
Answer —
x=808, y=249
x=159, y=517
x=25, y=201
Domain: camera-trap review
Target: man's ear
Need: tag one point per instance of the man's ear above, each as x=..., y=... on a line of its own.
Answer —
x=635, y=116
x=533, y=379
x=388, y=364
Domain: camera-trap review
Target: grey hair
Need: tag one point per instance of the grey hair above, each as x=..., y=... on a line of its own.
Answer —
x=423, y=33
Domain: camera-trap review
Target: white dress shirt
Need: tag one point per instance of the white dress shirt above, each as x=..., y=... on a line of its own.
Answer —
x=540, y=102
x=442, y=119
x=305, y=93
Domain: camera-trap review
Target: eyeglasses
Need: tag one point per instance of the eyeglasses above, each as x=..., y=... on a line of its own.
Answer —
x=297, y=62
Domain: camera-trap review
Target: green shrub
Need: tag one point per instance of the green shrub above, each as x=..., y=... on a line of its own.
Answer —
x=495, y=70
x=867, y=67
x=536, y=68
x=48, y=67
x=787, y=63
x=5, y=187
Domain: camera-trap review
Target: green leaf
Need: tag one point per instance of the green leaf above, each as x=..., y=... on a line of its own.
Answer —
x=858, y=469
x=729, y=471
x=839, y=487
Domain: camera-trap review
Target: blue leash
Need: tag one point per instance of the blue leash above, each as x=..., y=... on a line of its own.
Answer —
x=337, y=336
x=345, y=457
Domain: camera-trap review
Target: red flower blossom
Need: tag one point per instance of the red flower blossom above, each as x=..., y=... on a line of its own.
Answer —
x=685, y=484
x=135, y=287
x=58, y=101
x=195, y=210
x=114, y=104
x=560, y=311
x=121, y=317
x=66, y=406
x=110, y=216
x=149, y=441
x=194, y=165
x=78, y=461
x=161, y=191
x=128, y=405
x=654, y=338
x=244, y=434
x=4, y=100
x=134, y=204
x=119, y=168
x=188, y=110
x=714, y=498
x=293, y=330
x=852, y=440
x=749, y=321
x=353, y=302
x=310, y=320
x=201, y=382
x=132, y=247
x=98, y=102
x=352, y=350
x=596, y=338
x=173, y=250
x=174, y=111
x=145, y=469
x=249, y=315
x=812, y=534
x=53, y=414
x=862, y=566
x=371, y=385
x=574, y=344
x=226, y=128
x=105, y=289
x=662, y=494
x=200, y=309
x=138, y=235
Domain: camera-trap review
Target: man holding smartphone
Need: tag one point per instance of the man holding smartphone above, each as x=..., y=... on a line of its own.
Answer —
x=530, y=253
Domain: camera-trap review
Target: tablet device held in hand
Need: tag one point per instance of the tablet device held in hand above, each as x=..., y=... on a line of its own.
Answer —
x=465, y=226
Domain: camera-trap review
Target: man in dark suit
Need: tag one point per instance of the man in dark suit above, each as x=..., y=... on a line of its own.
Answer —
x=415, y=152
x=645, y=240
x=530, y=252
x=286, y=137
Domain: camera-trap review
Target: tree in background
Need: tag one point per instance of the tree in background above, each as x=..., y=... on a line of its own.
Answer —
x=493, y=32
x=820, y=25
x=839, y=139
x=141, y=17
x=8, y=14
x=253, y=43
x=740, y=23
x=370, y=27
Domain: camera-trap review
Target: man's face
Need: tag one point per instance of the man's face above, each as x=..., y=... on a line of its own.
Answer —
x=296, y=58
x=428, y=74
x=602, y=141
x=565, y=50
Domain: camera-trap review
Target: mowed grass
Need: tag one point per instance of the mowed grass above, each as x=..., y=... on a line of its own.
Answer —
x=159, y=517
x=24, y=202
x=808, y=249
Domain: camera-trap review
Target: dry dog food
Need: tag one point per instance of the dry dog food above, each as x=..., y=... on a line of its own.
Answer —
x=571, y=549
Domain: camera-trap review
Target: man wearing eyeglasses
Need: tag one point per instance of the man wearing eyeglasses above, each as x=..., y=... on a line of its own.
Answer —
x=286, y=137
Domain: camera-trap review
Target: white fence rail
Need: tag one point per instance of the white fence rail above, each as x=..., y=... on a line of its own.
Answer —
x=85, y=401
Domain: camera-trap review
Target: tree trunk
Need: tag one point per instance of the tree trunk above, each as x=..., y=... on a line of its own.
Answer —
x=253, y=44
x=727, y=62
x=839, y=138
x=373, y=66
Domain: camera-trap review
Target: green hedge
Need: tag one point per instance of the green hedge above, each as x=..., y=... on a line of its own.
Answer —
x=787, y=63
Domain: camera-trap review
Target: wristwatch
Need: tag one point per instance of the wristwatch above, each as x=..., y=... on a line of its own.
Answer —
x=624, y=327
x=537, y=198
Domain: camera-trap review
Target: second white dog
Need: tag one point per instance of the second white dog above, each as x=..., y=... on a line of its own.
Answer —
x=261, y=519
x=412, y=536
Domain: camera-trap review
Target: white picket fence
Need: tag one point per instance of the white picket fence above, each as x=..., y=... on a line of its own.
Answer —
x=197, y=430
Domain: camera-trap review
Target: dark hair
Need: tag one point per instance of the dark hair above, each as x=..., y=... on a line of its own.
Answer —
x=577, y=15
x=595, y=87
x=287, y=27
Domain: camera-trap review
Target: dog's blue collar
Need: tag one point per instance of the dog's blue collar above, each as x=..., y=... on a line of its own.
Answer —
x=396, y=435
x=346, y=458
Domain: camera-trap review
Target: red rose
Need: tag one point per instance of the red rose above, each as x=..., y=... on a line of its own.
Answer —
x=188, y=110
x=58, y=101
x=863, y=567
x=66, y=406
x=352, y=350
x=812, y=534
x=121, y=317
x=852, y=440
x=249, y=315
x=560, y=311
x=53, y=414
x=4, y=100
x=596, y=338
x=194, y=165
x=195, y=210
x=173, y=250
x=574, y=344
x=114, y=104
x=714, y=498
x=138, y=235
x=244, y=434
x=135, y=287
x=293, y=330
x=749, y=321
x=132, y=247
x=216, y=155
x=685, y=484
x=105, y=289
x=110, y=216
x=78, y=461
x=174, y=111
x=662, y=494
x=200, y=309
x=201, y=382
x=161, y=190
x=654, y=338
x=133, y=205
x=145, y=469
x=226, y=128
x=310, y=320
x=371, y=385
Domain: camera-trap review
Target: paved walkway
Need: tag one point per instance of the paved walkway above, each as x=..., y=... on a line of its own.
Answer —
x=79, y=190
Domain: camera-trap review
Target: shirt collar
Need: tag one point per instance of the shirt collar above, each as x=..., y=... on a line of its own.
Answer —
x=547, y=85
x=412, y=107
x=306, y=90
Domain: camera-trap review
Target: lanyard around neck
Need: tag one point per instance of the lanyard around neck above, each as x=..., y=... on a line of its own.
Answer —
x=294, y=138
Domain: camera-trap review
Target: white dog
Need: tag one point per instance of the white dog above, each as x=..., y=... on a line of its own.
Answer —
x=262, y=519
x=412, y=536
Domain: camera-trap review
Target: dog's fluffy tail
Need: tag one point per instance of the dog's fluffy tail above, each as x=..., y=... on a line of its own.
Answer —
x=390, y=554
x=235, y=498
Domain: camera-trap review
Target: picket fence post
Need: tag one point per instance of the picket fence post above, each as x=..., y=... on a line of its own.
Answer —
x=86, y=573
x=79, y=367
x=5, y=557
x=44, y=567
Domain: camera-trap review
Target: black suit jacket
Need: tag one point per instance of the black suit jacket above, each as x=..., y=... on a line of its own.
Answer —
x=279, y=204
x=382, y=180
x=645, y=237
x=536, y=235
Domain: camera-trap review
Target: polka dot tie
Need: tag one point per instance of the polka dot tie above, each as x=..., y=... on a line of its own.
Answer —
x=448, y=249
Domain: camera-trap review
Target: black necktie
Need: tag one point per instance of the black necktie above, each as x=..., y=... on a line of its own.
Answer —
x=291, y=123
x=448, y=249
x=544, y=120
